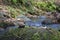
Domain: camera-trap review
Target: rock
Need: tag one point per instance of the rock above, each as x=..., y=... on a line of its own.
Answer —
x=48, y=21
x=21, y=24
x=58, y=20
x=54, y=21
x=58, y=16
x=4, y=14
x=35, y=16
x=23, y=17
x=29, y=15
x=1, y=2
x=57, y=2
x=7, y=23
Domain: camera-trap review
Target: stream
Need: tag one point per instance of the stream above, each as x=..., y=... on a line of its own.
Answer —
x=37, y=22
x=33, y=22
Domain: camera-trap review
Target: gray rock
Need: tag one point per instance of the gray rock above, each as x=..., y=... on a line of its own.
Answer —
x=24, y=18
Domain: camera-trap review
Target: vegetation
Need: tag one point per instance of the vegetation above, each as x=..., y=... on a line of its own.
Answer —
x=17, y=7
x=27, y=6
x=31, y=34
x=46, y=6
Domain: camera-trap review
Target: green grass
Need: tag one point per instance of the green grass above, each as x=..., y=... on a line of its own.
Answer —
x=31, y=34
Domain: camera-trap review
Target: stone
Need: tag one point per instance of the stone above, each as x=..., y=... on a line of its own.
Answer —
x=29, y=15
x=57, y=2
x=7, y=22
x=21, y=24
x=4, y=14
x=58, y=20
x=23, y=17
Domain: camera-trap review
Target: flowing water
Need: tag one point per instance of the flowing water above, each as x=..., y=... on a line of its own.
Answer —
x=38, y=23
